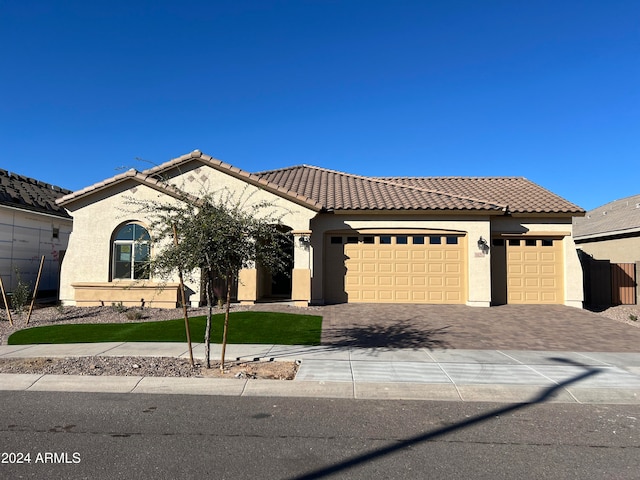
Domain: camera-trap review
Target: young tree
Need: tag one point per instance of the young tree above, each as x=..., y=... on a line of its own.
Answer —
x=218, y=235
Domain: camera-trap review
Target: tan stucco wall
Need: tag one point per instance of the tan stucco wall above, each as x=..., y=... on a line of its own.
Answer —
x=97, y=217
x=573, y=292
x=618, y=250
x=478, y=264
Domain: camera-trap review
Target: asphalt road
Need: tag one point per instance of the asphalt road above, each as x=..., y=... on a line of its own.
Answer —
x=109, y=436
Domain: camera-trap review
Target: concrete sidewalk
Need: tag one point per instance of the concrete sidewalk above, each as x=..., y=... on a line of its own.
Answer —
x=363, y=373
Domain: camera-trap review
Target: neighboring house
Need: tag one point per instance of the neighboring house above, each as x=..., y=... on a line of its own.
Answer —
x=610, y=237
x=473, y=241
x=32, y=225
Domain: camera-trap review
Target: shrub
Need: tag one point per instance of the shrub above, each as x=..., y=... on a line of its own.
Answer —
x=118, y=307
x=134, y=314
x=21, y=294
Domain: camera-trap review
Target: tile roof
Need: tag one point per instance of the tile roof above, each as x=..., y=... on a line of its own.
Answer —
x=30, y=194
x=322, y=189
x=343, y=191
x=615, y=218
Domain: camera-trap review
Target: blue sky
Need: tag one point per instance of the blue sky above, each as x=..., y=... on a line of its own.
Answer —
x=548, y=90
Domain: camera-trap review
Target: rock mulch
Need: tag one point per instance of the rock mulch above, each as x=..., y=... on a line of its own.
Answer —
x=147, y=367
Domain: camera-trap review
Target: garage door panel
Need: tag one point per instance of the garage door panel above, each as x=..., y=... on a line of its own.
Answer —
x=369, y=267
x=435, y=268
x=419, y=268
x=435, y=255
x=402, y=268
x=385, y=267
x=402, y=296
x=452, y=268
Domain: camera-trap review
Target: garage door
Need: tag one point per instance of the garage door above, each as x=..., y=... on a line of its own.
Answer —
x=395, y=268
x=534, y=270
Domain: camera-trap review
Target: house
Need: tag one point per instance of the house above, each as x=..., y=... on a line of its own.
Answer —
x=470, y=241
x=32, y=225
x=609, y=237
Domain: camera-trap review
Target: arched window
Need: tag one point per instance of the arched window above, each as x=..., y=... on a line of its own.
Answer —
x=131, y=252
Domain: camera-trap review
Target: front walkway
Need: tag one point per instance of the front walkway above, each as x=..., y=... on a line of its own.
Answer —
x=372, y=373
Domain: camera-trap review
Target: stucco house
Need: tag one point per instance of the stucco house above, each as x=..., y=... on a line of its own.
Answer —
x=32, y=225
x=470, y=241
x=609, y=235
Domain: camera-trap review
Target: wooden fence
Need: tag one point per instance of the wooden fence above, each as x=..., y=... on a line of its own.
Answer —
x=608, y=284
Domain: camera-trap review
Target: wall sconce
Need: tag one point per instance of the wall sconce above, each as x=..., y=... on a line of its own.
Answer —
x=483, y=246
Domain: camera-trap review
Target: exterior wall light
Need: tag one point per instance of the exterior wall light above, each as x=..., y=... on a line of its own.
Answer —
x=483, y=245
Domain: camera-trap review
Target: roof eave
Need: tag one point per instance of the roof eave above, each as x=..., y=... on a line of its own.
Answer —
x=614, y=233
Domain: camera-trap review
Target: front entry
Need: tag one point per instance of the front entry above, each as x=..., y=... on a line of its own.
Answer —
x=278, y=286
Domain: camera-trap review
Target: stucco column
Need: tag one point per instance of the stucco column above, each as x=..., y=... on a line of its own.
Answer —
x=479, y=274
x=301, y=273
x=248, y=285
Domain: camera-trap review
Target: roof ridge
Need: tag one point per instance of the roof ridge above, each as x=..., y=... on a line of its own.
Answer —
x=409, y=187
x=450, y=195
x=457, y=177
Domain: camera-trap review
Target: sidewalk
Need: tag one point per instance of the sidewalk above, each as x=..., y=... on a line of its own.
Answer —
x=363, y=373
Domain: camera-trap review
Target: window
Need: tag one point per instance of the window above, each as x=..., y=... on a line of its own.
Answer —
x=514, y=242
x=131, y=252
x=452, y=240
x=530, y=242
x=547, y=242
x=352, y=239
x=368, y=240
x=55, y=232
x=498, y=242
x=433, y=240
x=401, y=240
x=418, y=240
x=336, y=240
x=385, y=240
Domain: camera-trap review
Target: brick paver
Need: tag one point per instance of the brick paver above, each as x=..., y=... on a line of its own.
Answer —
x=507, y=327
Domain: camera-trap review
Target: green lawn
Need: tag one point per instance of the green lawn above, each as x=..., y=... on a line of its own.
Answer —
x=244, y=327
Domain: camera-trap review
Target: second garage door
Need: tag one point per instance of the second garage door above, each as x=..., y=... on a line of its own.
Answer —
x=395, y=268
x=534, y=270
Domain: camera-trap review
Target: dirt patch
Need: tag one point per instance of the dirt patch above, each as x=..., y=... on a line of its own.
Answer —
x=148, y=367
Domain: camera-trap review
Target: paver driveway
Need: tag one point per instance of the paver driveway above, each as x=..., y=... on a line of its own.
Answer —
x=506, y=327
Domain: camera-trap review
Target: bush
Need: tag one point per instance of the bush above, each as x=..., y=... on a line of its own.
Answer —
x=118, y=307
x=21, y=294
x=134, y=314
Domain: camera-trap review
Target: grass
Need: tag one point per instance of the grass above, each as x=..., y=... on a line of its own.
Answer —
x=244, y=327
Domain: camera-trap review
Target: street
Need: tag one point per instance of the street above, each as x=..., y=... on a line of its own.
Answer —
x=100, y=436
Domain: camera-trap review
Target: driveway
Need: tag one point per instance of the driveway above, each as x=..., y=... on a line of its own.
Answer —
x=506, y=327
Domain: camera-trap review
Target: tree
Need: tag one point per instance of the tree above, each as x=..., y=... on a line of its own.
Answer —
x=218, y=235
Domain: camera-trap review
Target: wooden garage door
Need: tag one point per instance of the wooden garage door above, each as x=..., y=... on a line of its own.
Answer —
x=395, y=268
x=534, y=270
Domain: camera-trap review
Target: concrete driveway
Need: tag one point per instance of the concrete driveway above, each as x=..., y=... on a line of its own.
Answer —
x=507, y=327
